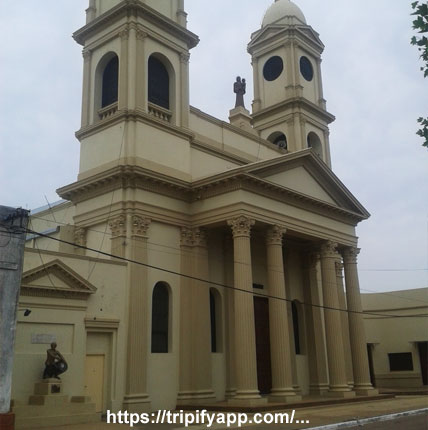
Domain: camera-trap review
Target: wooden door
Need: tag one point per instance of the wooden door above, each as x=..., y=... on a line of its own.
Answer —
x=94, y=380
x=261, y=319
x=423, y=356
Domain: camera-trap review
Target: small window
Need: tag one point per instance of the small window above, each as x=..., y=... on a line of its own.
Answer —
x=216, y=322
x=306, y=69
x=401, y=361
x=279, y=139
x=314, y=142
x=296, y=328
x=160, y=318
x=110, y=83
x=158, y=83
x=273, y=68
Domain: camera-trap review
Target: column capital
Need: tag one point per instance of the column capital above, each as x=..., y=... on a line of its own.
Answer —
x=241, y=226
x=312, y=259
x=193, y=237
x=140, y=226
x=141, y=34
x=118, y=226
x=184, y=57
x=350, y=255
x=124, y=33
x=80, y=236
x=329, y=249
x=87, y=54
x=339, y=269
x=275, y=235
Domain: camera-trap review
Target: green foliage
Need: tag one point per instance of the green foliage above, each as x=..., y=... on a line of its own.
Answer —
x=420, y=24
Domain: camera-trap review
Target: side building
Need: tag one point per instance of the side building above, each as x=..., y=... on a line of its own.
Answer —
x=397, y=341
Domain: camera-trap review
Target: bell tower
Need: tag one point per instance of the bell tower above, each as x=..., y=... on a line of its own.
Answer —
x=135, y=81
x=289, y=108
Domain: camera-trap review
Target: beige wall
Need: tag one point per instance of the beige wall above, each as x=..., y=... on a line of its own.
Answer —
x=395, y=335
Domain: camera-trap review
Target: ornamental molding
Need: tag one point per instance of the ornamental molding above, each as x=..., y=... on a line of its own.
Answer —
x=87, y=54
x=118, y=226
x=193, y=237
x=184, y=57
x=339, y=269
x=80, y=236
x=140, y=226
x=329, y=249
x=241, y=226
x=350, y=255
x=275, y=235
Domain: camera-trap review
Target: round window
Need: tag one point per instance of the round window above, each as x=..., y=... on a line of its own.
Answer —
x=306, y=69
x=273, y=68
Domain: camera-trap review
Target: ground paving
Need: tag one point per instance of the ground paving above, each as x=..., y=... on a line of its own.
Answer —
x=317, y=415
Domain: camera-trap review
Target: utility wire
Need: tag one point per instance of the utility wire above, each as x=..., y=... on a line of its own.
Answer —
x=217, y=283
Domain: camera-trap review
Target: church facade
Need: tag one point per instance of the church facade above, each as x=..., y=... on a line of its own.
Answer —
x=236, y=243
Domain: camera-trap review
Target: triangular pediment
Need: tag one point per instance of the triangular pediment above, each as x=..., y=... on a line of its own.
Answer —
x=306, y=174
x=55, y=279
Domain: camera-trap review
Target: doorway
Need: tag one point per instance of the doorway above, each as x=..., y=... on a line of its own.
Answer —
x=261, y=320
x=94, y=380
x=371, y=365
x=423, y=357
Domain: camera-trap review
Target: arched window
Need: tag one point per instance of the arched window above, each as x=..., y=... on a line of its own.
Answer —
x=279, y=139
x=314, y=142
x=158, y=83
x=110, y=82
x=296, y=328
x=215, y=314
x=160, y=318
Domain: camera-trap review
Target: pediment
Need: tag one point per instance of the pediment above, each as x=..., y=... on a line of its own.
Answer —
x=304, y=173
x=55, y=279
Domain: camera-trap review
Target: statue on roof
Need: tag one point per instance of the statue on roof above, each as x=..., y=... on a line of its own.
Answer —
x=240, y=88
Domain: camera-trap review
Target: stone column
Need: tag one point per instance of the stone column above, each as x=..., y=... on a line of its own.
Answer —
x=282, y=378
x=318, y=372
x=123, y=69
x=195, y=340
x=136, y=399
x=229, y=318
x=257, y=101
x=87, y=92
x=344, y=322
x=336, y=359
x=360, y=361
x=118, y=235
x=247, y=392
x=141, y=82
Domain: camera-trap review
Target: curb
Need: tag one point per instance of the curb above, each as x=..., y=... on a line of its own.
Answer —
x=357, y=422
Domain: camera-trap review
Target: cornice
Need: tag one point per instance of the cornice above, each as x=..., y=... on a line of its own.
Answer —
x=129, y=7
x=294, y=103
x=132, y=115
x=101, y=323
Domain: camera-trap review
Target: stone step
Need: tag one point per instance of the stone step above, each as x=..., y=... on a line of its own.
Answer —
x=48, y=400
x=24, y=422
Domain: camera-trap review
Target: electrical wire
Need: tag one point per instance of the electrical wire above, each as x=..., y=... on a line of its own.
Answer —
x=219, y=284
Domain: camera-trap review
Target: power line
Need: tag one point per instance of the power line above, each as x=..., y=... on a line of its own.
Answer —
x=217, y=283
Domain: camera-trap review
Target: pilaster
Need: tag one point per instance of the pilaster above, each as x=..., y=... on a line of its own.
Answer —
x=86, y=87
x=184, y=73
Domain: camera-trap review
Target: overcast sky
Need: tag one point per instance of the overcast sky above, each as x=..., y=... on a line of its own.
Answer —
x=372, y=84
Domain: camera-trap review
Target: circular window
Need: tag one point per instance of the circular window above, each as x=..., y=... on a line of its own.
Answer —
x=306, y=69
x=273, y=68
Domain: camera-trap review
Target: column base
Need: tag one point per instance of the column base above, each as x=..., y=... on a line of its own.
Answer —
x=195, y=397
x=137, y=403
x=367, y=392
x=7, y=421
x=230, y=393
x=318, y=389
x=248, y=402
x=340, y=394
x=291, y=398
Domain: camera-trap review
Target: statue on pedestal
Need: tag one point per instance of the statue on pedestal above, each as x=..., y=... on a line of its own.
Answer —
x=55, y=363
x=240, y=88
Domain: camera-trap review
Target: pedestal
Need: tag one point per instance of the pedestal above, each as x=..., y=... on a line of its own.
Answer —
x=7, y=421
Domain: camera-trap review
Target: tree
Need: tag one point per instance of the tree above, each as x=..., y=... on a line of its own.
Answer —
x=420, y=24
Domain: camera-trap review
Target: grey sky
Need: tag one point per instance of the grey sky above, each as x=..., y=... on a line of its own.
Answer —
x=372, y=84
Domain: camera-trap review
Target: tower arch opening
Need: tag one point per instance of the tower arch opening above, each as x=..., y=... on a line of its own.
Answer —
x=160, y=81
x=107, y=81
x=314, y=142
x=161, y=315
x=279, y=139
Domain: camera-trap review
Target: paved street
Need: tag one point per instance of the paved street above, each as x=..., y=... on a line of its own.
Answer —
x=419, y=422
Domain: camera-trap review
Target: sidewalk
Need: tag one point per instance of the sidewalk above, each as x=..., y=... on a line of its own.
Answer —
x=318, y=416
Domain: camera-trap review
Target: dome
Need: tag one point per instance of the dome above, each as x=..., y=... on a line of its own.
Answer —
x=281, y=9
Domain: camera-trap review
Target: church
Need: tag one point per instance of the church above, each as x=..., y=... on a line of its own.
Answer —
x=196, y=261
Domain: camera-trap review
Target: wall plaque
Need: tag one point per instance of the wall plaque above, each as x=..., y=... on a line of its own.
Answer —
x=43, y=338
